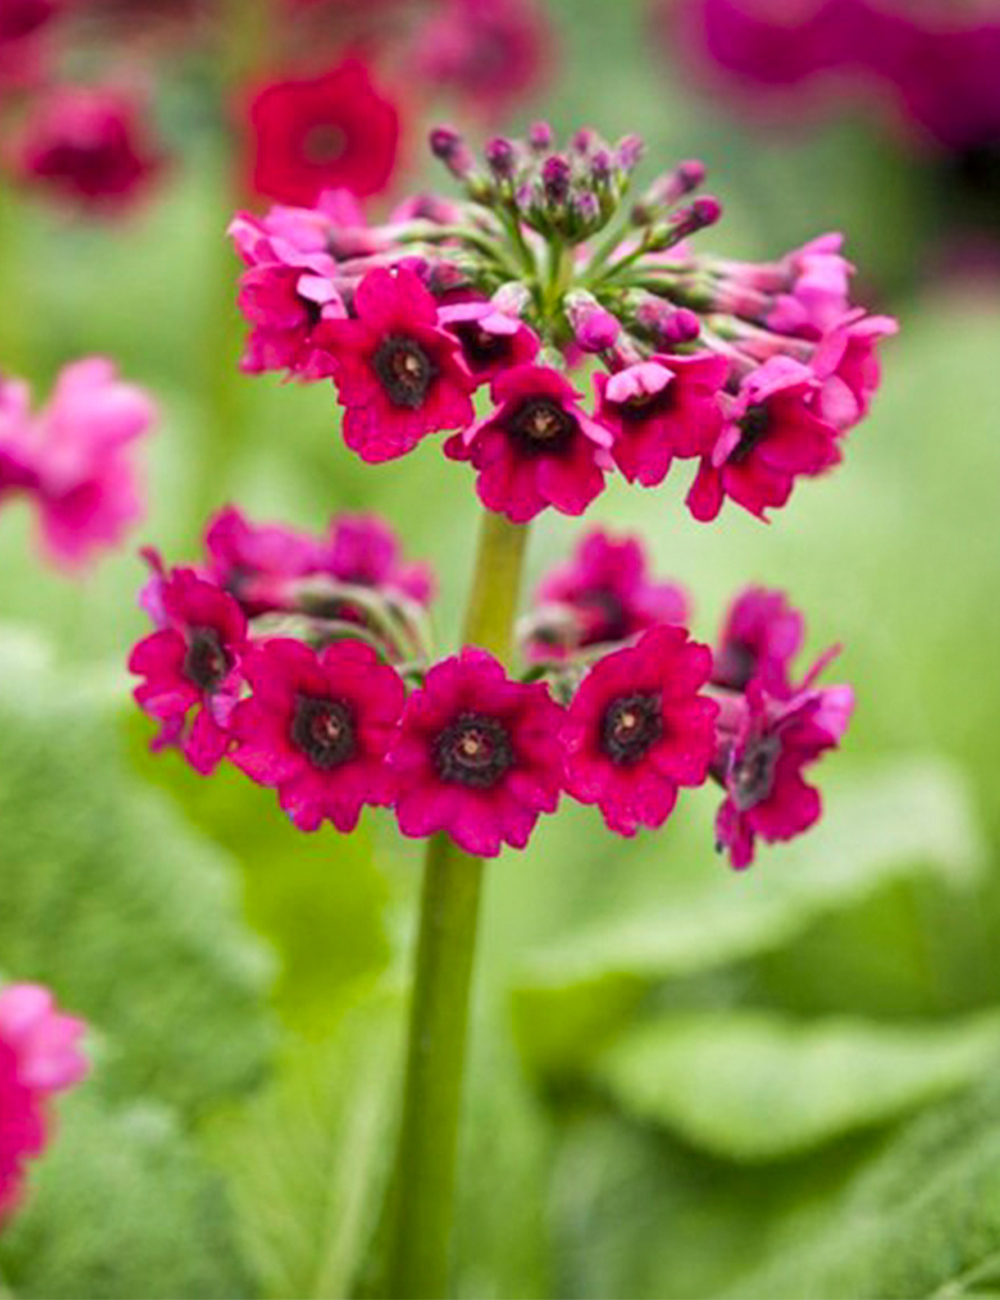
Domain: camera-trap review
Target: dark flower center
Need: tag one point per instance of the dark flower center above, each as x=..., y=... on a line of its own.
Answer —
x=206, y=661
x=474, y=751
x=752, y=778
x=324, y=144
x=754, y=427
x=480, y=348
x=324, y=730
x=735, y=665
x=631, y=727
x=542, y=426
x=641, y=406
x=405, y=371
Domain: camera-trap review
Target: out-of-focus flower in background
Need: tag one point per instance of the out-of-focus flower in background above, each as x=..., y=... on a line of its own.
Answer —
x=89, y=145
x=316, y=133
x=39, y=1056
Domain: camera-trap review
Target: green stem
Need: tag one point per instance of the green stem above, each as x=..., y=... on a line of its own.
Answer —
x=424, y=1181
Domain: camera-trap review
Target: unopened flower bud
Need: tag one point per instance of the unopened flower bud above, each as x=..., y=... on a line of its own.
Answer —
x=594, y=328
x=556, y=177
x=512, y=298
x=666, y=190
x=501, y=157
x=541, y=137
x=629, y=152
x=688, y=221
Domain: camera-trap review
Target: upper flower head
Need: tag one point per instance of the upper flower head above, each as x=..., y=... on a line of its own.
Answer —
x=761, y=635
x=661, y=408
x=399, y=374
x=539, y=447
x=89, y=145
x=316, y=133
x=478, y=756
x=192, y=662
x=39, y=1056
x=772, y=436
x=603, y=595
x=75, y=457
x=317, y=727
x=638, y=728
x=763, y=749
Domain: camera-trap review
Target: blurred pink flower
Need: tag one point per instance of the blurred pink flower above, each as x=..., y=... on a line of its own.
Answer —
x=39, y=1056
x=88, y=145
x=75, y=457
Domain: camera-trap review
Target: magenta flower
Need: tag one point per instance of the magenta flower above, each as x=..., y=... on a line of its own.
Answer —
x=365, y=552
x=818, y=295
x=39, y=1056
x=333, y=131
x=478, y=756
x=400, y=375
x=847, y=365
x=256, y=562
x=661, y=408
x=192, y=663
x=761, y=635
x=639, y=728
x=89, y=145
x=317, y=728
x=288, y=287
x=492, y=52
x=772, y=436
x=75, y=457
x=492, y=341
x=538, y=448
x=765, y=743
x=605, y=594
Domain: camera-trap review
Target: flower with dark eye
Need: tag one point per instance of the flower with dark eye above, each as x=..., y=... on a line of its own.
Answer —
x=478, y=756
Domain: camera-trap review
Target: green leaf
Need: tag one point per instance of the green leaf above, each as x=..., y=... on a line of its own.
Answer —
x=114, y=901
x=923, y=1219
x=896, y=822
x=308, y=1158
x=120, y=1207
x=754, y=1086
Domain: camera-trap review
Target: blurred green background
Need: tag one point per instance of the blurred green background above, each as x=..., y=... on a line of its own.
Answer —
x=685, y=1082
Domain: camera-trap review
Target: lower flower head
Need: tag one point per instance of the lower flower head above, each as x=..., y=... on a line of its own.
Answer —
x=639, y=728
x=478, y=757
x=317, y=727
x=603, y=595
x=538, y=448
x=191, y=666
x=39, y=1056
x=256, y=562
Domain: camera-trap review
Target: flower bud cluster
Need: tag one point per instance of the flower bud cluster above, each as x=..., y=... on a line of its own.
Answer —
x=305, y=661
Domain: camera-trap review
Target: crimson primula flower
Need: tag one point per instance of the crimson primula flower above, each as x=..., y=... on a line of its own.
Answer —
x=639, y=728
x=74, y=458
x=478, y=756
x=364, y=551
x=661, y=408
x=317, y=727
x=539, y=447
x=848, y=368
x=312, y=134
x=492, y=340
x=765, y=743
x=39, y=1056
x=90, y=145
x=772, y=436
x=760, y=637
x=602, y=595
x=257, y=562
x=192, y=663
x=400, y=375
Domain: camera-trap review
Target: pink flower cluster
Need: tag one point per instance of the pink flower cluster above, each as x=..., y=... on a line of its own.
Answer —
x=39, y=1056
x=753, y=371
x=939, y=60
x=323, y=707
x=75, y=458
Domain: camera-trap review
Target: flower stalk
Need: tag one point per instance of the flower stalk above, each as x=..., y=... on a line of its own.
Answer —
x=426, y=1159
